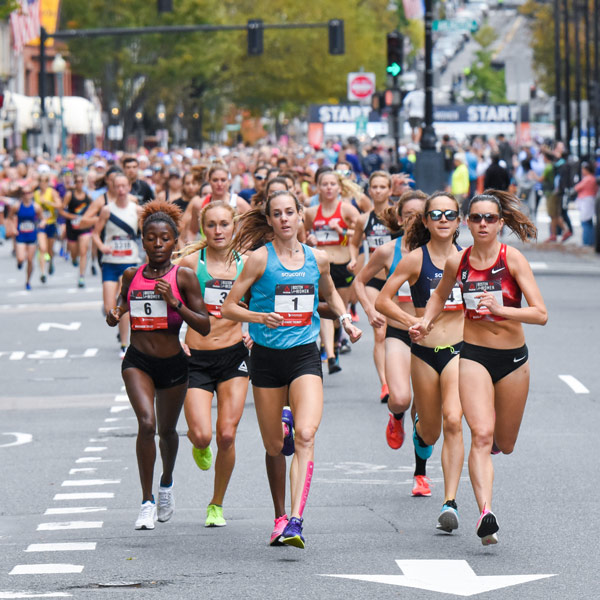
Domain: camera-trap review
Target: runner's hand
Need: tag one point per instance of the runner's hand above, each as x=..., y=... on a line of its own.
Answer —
x=186, y=349
x=272, y=320
x=488, y=302
x=418, y=331
x=354, y=333
x=163, y=288
x=376, y=319
x=248, y=341
x=113, y=317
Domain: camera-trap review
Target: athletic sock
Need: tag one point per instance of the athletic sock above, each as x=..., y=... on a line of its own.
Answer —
x=420, y=439
x=398, y=416
x=420, y=465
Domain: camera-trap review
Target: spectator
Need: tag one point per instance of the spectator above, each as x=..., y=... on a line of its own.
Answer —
x=496, y=176
x=459, y=185
x=586, y=190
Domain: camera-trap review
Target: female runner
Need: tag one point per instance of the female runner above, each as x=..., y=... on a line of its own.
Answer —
x=494, y=365
x=159, y=296
x=219, y=179
x=371, y=226
x=284, y=278
x=217, y=363
x=49, y=201
x=75, y=204
x=434, y=364
x=330, y=222
x=397, y=341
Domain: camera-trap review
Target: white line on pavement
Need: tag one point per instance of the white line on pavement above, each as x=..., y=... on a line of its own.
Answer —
x=86, y=482
x=95, y=448
x=574, y=384
x=70, y=525
x=118, y=409
x=45, y=570
x=121, y=398
x=6, y=595
x=107, y=429
x=74, y=510
x=85, y=496
x=91, y=459
x=61, y=547
x=83, y=470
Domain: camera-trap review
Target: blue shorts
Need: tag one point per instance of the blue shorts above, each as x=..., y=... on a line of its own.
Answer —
x=50, y=230
x=27, y=238
x=114, y=271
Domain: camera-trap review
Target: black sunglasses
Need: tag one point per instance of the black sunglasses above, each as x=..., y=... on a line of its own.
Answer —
x=487, y=217
x=259, y=177
x=436, y=215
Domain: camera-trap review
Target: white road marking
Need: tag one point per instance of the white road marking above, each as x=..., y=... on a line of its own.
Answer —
x=61, y=547
x=118, y=409
x=70, y=525
x=20, y=439
x=107, y=429
x=445, y=577
x=98, y=440
x=74, y=510
x=45, y=570
x=95, y=448
x=73, y=326
x=82, y=470
x=86, y=482
x=574, y=384
x=90, y=459
x=112, y=419
x=538, y=266
x=85, y=496
x=18, y=355
x=48, y=354
x=89, y=353
x=59, y=307
x=7, y=595
x=121, y=398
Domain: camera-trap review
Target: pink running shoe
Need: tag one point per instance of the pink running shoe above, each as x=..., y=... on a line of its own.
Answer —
x=280, y=525
x=487, y=527
x=421, y=487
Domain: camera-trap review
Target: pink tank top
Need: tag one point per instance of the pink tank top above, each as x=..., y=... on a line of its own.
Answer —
x=147, y=309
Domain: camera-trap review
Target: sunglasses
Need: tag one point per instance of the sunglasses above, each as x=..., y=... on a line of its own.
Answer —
x=436, y=215
x=259, y=177
x=344, y=173
x=487, y=217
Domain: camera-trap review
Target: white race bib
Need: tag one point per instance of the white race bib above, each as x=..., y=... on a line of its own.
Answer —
x=122, y=246
x=26, y=226
x=148, y=311
x=295, y=303
x=215, y=292
x=454, y=300
x=472, y=289
x=374, y=241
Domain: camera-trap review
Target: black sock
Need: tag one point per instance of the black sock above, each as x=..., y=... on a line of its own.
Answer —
x=398, y=416
x=420, y=465
x=420, y=439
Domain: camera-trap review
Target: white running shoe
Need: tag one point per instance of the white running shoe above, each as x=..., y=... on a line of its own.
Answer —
x=166, y=503
x=147, y=516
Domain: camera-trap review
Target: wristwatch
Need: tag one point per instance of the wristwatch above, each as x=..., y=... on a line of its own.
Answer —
x=345, y=316
x=179, y=305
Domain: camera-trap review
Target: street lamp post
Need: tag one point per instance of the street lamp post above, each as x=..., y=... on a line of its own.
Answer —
x=577, y=77
x=558, y=103
x=139, y=117
x=568, y=129
x=59, y=65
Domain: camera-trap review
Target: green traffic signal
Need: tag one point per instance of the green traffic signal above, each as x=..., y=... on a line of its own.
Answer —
x=394, y=69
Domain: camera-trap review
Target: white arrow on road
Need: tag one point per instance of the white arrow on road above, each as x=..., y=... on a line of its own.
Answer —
x=21, y=438
x=74, y=326
x=444, y=576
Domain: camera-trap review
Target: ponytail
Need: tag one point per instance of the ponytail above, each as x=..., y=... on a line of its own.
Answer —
x=391, y=214
x=417, y=234
x=510, y=210
x=253, y=228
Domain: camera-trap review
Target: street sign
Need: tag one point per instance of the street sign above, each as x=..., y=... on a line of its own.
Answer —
x=455, y=25
x=361, y=86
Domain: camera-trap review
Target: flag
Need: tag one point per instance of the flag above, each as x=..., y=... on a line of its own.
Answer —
x=25, y=23
x=413, y=9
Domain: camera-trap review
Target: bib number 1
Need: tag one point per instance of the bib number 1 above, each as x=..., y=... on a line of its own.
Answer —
x=295, y=303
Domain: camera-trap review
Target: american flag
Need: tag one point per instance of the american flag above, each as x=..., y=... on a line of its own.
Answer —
x=413, y=9
x=25, y=23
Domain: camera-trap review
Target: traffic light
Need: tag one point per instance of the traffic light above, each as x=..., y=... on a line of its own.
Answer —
x=255, y=37
x=165, y=6
x=336, y=37
x=395, y=53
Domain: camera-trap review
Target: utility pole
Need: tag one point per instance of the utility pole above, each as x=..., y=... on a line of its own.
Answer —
x=558, y=103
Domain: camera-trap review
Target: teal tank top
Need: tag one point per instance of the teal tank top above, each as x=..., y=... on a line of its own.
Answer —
x=214, y=290
x=293, y=294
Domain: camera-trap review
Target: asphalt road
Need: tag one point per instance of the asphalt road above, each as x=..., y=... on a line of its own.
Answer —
x=66, y=428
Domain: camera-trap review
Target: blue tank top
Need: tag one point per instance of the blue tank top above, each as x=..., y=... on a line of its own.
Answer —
x=293, y=294
x=428, y=280
x=403, y=292
x=26, y=224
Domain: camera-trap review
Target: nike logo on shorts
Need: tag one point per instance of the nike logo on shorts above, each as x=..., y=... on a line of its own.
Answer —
x=519, y=359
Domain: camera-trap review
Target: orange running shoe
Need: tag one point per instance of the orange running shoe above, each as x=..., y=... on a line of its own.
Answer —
x=421, y=487
x=394, y=432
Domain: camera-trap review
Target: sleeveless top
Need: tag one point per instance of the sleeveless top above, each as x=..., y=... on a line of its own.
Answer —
x=120, y=233
x=26, y=225
x=214, y=291
x=325, y=234
x=428, y=280
x=496, y=280
x=77, y=207
x=46, y=201
x=232, y=200
x=148, y=310
x=180, y=203
x=403, y=292
x=377, y=233
x=292, y=294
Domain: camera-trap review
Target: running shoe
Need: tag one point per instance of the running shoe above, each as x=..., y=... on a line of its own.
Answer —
x=333, y=365
x=354, y=314
x=566, y=236
x=448, y=519
x=75, y=262
x=19, y=265
x=166, y=503
x=394, y=432
x=43, y=278
x=552, y=238
x=385, y=394
x=345, y=347
x=28, y=286
x=147, y=516
x=288, y=425
x=292, y=534
x=203, y=457
x=423, y=451
x=421, y=486
x=81, y=282
x=50, y=266
x=495, y=450
x=323, y=353
x=94, y=270
x=280, y=525
x=214, y=516
x=487, y=526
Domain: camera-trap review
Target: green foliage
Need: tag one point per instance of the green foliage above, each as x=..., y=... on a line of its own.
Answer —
x=6, y=7
x=487, y=84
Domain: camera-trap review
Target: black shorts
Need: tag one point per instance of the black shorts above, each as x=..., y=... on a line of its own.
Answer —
x=376, y=282
x=73, y=234
x=209, y=367
x=398, y=334
x=164, y=372
x=274, y=368
x=498, y=363
x=438, y=357
x=342, y=278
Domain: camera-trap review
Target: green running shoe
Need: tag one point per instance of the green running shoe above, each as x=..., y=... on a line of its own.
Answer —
x=203, y=457
x=214, y=516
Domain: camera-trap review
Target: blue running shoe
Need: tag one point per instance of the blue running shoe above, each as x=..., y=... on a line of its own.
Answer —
x=448, y=519
x=292, y=534
x=423, y=451
x=288, y=440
